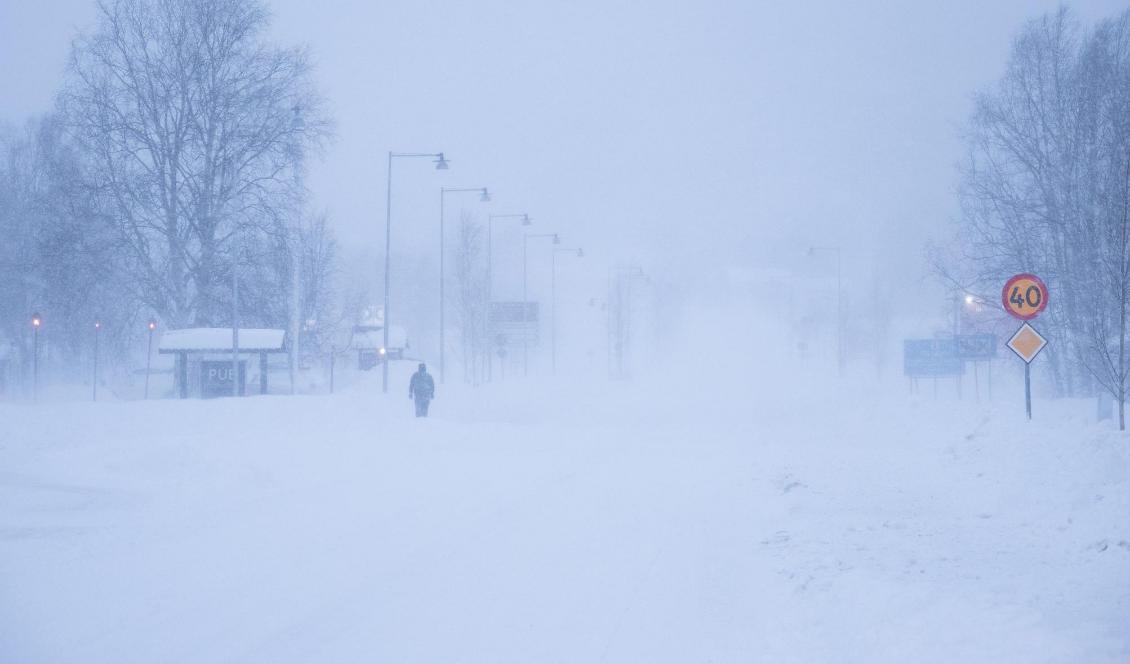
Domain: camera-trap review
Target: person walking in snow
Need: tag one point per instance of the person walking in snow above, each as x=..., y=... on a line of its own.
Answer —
x=422, y=389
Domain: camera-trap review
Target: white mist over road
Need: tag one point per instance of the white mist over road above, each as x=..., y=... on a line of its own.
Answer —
x=714, y=516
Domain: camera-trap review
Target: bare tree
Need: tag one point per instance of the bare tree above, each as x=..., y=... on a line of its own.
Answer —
x=1104, y=238
x=1044, y=190
x=188, y=120
x=470, y=290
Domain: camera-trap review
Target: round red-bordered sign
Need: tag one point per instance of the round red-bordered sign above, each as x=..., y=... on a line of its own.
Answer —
x=1024, y=296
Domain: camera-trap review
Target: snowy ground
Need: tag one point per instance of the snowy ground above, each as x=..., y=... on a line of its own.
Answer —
x=640, y=523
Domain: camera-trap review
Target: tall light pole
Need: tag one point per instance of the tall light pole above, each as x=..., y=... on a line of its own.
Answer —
x=441, y=165
x=484, y=197
x=235, y=315
x=526, y=221
x=36, y=322
x=580, y=253
x=298, y=124
x=525, y=301
x=149, y=355
x=839, y=303
x=94, y=389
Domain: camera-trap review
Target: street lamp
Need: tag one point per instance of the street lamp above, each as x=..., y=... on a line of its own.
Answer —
x=525, y=301
x=94, y=390
x=484, y=197
x=839, y=303
x=579, y=253
x=149, y=355
x=441, y=165
x=36, y=322
x=526, y=221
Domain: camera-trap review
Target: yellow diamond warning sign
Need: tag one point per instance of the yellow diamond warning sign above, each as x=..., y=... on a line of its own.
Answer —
x=1027, y=343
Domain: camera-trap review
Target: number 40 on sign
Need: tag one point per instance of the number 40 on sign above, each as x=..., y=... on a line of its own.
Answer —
x=1025, y=296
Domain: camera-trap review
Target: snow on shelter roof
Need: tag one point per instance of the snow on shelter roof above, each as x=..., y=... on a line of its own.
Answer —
x=217, y=339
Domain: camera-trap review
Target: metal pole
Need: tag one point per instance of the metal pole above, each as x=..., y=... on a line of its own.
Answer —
x=388, y=273
x=148, y=361
x=235, y=322
x=94, y=389
x=525, y=307
x=295, y=318
x=442, y=372
x=1028, y=389
x=35, y=365
x=553, y=313
x=333, y=359
x=490, y=277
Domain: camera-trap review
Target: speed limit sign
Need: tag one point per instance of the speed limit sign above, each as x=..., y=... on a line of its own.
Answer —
x=1025, y=296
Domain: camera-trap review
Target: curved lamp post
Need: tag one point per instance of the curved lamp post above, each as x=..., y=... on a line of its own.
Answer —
x=441, y=165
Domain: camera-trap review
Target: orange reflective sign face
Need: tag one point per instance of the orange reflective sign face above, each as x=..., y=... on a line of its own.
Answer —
x=1024, y=296
x=1027, y=343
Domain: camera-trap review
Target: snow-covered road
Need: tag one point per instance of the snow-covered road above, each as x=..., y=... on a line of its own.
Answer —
x=545, y=524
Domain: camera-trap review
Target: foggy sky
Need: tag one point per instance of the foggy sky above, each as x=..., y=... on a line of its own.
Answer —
x=687, y=135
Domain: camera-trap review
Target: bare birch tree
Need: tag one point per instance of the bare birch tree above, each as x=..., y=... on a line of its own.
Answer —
x=471, y=297
x=1044, y=191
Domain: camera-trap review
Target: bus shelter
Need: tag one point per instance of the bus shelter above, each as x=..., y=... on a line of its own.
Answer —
x=206, y=352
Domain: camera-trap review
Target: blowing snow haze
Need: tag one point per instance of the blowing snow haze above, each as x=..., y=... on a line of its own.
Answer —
x=703, y=312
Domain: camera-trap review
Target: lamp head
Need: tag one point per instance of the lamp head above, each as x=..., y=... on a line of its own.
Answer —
x=297, y=122
x=526, y=220
x=441, y=163
x=152, y=325
x=556, y=239
x=36, y=320
x=485, y=196
x=580, y=253
x=98, y=325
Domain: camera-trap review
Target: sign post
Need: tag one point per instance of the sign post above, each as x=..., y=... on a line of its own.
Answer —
x=1025, y=296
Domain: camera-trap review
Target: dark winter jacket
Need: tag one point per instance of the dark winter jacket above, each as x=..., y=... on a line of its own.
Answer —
x=422, y=386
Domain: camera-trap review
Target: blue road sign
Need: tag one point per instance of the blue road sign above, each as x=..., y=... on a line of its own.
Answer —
x=932, y=358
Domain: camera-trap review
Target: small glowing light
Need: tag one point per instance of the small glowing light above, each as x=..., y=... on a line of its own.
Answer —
x=36, y=320
x=152, y=326
x=969, y=299
x=381, y=351
x=97, y=324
